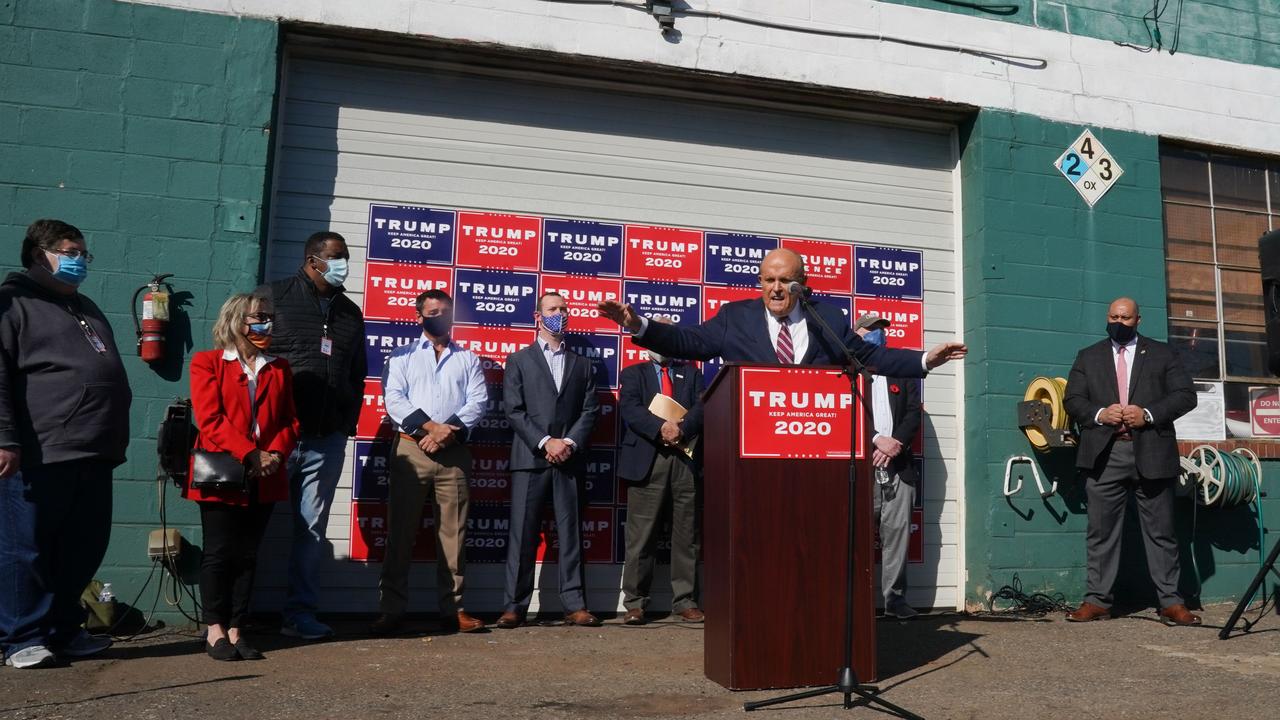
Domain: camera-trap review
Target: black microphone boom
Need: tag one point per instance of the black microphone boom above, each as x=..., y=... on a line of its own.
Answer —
x=800, y=289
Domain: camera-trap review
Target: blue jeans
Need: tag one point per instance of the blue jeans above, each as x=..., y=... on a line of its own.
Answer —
x=314, y=469
x=55, y=523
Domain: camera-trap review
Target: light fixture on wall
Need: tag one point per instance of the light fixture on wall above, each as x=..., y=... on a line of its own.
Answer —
x=662, y=12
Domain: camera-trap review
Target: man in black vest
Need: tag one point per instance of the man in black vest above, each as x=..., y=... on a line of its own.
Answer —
x=321, y=333
x=653, y=460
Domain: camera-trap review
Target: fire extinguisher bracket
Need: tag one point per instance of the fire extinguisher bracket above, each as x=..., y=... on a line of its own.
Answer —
x=155, y=317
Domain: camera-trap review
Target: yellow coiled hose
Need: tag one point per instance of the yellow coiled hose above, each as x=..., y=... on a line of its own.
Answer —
x=1051, y=392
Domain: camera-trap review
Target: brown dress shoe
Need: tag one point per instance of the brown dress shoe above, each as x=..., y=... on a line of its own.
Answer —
x=462, y=623
x=386, y=625
x=582, y=618
x=634, y=616
x=510, y=620
x=692, y=614
x=1088, y=611
x=1178, y=615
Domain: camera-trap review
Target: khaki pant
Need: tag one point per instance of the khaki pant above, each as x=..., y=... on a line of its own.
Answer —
x=415, y=477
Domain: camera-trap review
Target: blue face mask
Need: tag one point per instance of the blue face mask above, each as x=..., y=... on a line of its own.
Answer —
x=336, y=274
x=71, y=271
x=875, y=337
x=555, y=324
x=262, y=328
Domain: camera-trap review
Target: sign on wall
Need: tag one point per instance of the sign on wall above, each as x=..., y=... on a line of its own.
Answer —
x=496, y=265
x=1090, y=168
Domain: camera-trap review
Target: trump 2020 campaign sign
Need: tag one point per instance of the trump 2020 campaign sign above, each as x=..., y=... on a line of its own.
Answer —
x=500, y=241
x=664, y=253
x=888, y=272
x=411, y=234
x=795, y=412
x=581, y=247
x=391, y=290
x=734, y=258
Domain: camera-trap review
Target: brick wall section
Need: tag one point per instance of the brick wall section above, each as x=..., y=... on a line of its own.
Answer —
x=1244, y=31
x=1040, y=269
x=147, y=128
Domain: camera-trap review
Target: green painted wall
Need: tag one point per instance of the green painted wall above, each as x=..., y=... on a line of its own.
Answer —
x=148, y=129
x=1040, y=268
x=1245, y=31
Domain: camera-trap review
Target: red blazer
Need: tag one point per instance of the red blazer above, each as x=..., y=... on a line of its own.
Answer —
x=220, y=402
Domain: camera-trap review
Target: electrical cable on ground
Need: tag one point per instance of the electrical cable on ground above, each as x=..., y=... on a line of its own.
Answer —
x=1024, y=604
x=1023, y=61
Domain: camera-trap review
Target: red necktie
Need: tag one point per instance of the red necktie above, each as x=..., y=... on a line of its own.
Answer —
x=786, y=355
x=666, y=382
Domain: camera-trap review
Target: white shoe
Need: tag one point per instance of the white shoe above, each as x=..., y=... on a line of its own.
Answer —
x=31, y=657
x=86, y=645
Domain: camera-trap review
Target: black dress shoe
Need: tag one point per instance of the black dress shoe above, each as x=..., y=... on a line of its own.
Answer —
x=247, y=651
x=221, y=650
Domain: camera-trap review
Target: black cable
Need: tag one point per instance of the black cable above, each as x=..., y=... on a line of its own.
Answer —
x=1033, y=605
x=1023, y=61
x=1177, y=28
x=980, y=7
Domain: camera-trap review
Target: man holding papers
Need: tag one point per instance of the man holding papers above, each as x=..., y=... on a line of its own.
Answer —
x=661, y=408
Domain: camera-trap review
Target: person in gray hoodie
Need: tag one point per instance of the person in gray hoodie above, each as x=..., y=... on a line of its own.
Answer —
x=64, y=426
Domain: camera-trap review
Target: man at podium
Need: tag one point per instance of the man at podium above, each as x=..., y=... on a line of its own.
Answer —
x=775, y=329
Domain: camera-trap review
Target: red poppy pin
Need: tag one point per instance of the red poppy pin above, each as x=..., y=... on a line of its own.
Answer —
x=895, y=389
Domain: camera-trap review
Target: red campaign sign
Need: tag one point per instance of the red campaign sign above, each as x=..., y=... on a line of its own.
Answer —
x=490, y=477
x=391, y=290
x=906, y=319
x=795, y=413
x=605, y=432
x=597, y=536
x=663, y=253
x=492, y=345
x=583, y=295
x=714, y=297
x=372, y=412
x=424, y=541
x=499, y=242
x=915, y=541
x=829, y=265
x=368, y=531
x=1264, y=411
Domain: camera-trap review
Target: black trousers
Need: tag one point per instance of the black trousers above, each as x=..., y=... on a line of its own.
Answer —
x=232, y=534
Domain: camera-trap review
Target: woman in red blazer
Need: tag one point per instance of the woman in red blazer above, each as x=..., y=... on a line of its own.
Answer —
x=242, y=399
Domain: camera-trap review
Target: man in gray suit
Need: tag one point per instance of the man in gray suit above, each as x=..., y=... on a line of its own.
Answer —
x=550, y=397
x=1124, y=394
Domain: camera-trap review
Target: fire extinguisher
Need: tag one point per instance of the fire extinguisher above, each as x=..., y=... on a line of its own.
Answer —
x=155, y=318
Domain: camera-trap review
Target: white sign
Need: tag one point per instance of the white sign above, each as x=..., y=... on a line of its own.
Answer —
x=1090, y=168
x=1206, y=421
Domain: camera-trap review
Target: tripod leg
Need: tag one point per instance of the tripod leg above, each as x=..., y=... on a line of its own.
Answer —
x=1247, y=598
x=748, y=707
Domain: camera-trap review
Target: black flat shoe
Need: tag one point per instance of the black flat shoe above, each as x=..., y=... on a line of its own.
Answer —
x=246, y=651
x=221, y=650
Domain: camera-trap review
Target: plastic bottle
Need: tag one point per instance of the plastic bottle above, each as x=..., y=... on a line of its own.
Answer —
x=106, y=595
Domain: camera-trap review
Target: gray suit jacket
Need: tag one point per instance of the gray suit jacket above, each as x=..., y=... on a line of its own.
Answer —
x=536, y=410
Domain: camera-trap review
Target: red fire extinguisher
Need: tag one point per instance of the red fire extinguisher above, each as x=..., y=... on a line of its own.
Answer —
x=155, y=318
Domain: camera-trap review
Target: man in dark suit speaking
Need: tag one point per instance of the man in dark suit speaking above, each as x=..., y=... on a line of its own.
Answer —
x=776, y=329
x=1124, y=393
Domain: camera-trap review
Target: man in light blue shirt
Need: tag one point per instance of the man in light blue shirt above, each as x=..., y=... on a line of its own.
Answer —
x=435, y=394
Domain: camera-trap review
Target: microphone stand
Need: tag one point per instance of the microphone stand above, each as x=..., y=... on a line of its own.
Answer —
x=846, y=679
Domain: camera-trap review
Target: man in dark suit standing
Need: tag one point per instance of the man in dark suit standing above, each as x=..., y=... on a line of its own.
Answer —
x=895, y=405
x=1124, y=394
x=550, y=398
x=652, y=458
x=776, y=329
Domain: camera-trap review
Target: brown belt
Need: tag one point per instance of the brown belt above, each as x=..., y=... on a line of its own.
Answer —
x=409, y=437
x=1124, y=437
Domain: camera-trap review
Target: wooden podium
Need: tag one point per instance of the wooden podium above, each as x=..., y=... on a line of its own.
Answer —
x=775, y=523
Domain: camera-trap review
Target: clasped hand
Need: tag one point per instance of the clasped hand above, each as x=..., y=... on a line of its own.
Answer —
x=671, y=433
x=1115, y=415
x=558, y=451
x=438, y=436
x=261, y=463
x=886, y=449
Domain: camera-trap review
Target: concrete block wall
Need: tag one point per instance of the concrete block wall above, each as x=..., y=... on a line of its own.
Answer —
x=149, y=129
x=1243, y=31
x=1040, y=269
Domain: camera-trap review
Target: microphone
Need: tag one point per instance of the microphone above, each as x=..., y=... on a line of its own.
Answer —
x=795, y=288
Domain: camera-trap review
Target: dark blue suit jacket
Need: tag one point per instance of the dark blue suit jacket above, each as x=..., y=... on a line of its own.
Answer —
x=739, y=332
x=641, y=429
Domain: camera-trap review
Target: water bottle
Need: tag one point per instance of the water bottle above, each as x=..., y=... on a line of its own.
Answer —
x=106, y=595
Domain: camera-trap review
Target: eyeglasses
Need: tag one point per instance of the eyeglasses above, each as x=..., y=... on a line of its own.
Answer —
x=74, y=253
x=260, y=317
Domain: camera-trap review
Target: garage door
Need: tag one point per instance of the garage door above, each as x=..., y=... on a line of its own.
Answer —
x=490, y=184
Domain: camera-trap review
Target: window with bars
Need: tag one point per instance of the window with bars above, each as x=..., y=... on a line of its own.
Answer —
x=1216, y=206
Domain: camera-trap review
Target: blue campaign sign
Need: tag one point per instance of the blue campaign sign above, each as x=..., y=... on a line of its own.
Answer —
x=372, y=477
x=495, y=297
x=381, y=338
x=406, y=233
x=581, y=247
x=601, y=481
x=493, y=427
x=734, y=258
x=710, y=368
x=681, y=302
x=604, y=352
x=843, y=302
x=888, y=272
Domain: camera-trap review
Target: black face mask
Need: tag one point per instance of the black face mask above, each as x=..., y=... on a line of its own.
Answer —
x=1120, y=332
x=438, y=326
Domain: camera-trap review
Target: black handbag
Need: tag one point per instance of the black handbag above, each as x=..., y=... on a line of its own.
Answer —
x=212, y=470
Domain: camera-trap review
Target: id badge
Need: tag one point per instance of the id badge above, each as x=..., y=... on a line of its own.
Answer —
x=326, y=346
x=97, y=343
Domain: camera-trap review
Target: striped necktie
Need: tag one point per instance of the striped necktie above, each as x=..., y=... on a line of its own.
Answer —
x=786, y=355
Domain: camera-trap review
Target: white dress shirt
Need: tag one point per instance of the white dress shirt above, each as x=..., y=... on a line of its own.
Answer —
x=251, y=372
x=555, y=361
x=881, y=412
x=1130, y=353
x=417, y=386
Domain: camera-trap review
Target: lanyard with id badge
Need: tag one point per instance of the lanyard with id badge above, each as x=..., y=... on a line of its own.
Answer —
x=326, y=342
x=89, y=333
